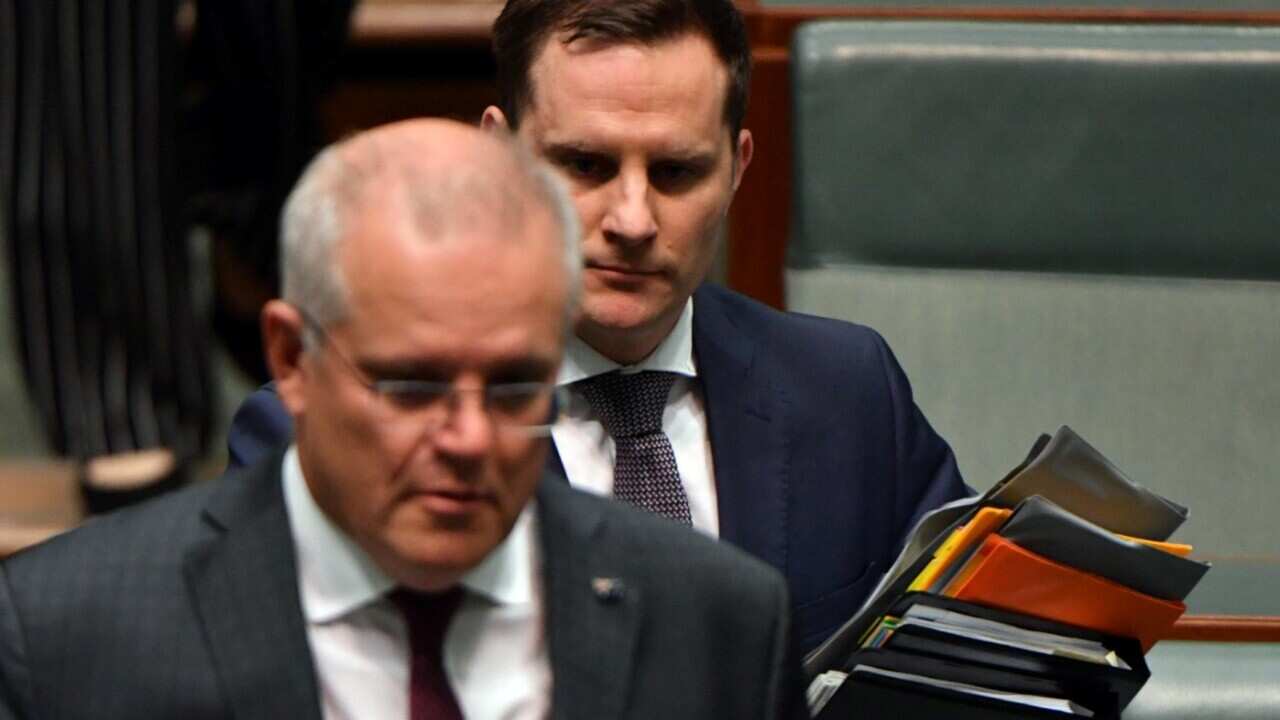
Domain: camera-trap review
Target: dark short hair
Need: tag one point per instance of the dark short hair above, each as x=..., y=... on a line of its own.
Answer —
x=524, y=27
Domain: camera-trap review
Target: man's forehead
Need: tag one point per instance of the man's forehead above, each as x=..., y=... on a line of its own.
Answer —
x=479, y=278
x=400, y=227
x=690, y=49
x=588, y=90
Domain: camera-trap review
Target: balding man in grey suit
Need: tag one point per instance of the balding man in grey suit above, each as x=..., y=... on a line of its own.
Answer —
x=405, y=557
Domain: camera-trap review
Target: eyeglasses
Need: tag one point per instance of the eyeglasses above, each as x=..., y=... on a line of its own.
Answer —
x=528, y=408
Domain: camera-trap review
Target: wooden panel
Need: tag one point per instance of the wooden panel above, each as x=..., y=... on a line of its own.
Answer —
x=38, y=499
x=401, y=22
x=761, y=212
x=379, y=82
x=419, y=23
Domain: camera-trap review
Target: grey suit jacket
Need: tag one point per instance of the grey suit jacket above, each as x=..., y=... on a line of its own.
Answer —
x=188, y=607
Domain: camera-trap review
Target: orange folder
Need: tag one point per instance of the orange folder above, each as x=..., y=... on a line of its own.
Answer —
x=1004, y=575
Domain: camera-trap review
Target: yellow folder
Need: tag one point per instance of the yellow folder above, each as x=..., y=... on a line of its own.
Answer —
x=983, y=524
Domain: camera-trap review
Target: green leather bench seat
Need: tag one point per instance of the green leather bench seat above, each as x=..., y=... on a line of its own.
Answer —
x=1060, y=224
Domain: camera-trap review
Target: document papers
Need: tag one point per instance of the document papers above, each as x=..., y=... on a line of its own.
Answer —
x=1004, y=634
x=1061, y=705
x=1038, y=599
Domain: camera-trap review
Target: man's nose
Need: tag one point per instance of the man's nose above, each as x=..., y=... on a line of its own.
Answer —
x=468, y=433
x=630, y=218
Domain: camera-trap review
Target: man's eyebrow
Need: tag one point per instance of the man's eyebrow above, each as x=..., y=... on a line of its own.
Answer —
x=521, y=370
x=393, y=369
x=518, y=370
x=572, y=147
x=693, y=155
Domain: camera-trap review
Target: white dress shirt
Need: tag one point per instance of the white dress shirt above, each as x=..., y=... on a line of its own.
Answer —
x=495, y=653
x=588, y=451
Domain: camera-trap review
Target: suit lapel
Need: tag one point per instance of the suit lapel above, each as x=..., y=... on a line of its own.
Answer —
x=593, y=615
x=554, y=464
x=244, y=585
x=745, y=423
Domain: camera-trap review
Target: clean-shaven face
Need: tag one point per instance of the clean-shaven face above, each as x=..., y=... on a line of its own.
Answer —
x=639, y=133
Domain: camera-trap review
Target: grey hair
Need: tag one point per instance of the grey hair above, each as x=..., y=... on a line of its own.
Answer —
x=315, y=214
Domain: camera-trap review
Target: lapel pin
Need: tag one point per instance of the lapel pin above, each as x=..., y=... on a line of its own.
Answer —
x=608, y=590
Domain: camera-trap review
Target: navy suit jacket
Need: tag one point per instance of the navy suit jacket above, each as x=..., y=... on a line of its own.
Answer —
x=823, y=462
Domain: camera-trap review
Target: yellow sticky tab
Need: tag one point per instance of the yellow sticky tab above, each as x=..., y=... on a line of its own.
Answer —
x=1172, y=548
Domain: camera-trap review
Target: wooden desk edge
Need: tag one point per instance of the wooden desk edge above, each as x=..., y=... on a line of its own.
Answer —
x=413, y=24
x=1227, y=628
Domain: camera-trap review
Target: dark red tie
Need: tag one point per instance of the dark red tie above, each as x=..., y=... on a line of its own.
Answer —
x=427, y=616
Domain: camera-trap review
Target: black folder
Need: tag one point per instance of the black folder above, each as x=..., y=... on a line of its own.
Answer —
x=869, y=697
x=1099, y=686
x=1044, y=528
x=1103, y=689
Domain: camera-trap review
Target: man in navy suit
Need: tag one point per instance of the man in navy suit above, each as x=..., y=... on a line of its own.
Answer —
x=793, y=437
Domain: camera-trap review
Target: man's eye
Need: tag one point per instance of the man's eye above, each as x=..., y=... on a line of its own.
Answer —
x=585, y=167
x=408, y=394
x=673, y=176
x=516, y=398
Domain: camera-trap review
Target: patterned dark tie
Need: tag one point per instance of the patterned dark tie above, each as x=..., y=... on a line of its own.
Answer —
x=630, y=408
x=427, y=616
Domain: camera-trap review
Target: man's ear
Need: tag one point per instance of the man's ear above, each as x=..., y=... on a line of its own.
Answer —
x=493, y=119
x=282, y=328
x=743, y=151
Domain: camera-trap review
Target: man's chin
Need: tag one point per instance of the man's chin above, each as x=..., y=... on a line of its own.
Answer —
x=436, y=560
x=618, y=312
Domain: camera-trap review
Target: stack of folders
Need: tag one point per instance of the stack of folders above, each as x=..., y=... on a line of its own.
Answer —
x=1038, y=599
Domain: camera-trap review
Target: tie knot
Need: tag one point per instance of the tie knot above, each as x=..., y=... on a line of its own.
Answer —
x=629, y=404
x=427, y=615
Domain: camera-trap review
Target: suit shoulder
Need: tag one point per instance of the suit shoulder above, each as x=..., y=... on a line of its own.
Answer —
x=790, y=334
x=153, y=533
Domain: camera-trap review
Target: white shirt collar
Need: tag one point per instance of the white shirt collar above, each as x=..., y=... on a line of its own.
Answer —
x=336, y=577
x=673, y=354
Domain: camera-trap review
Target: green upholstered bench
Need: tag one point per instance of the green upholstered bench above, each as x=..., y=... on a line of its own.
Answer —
x=1060, y=224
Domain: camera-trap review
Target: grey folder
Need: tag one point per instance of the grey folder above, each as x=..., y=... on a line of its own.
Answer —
x=1084, y=483
x=1066, y=468
x=1042, y=527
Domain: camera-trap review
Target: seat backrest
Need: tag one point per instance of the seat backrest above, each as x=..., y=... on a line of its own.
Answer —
x=1060, y=224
